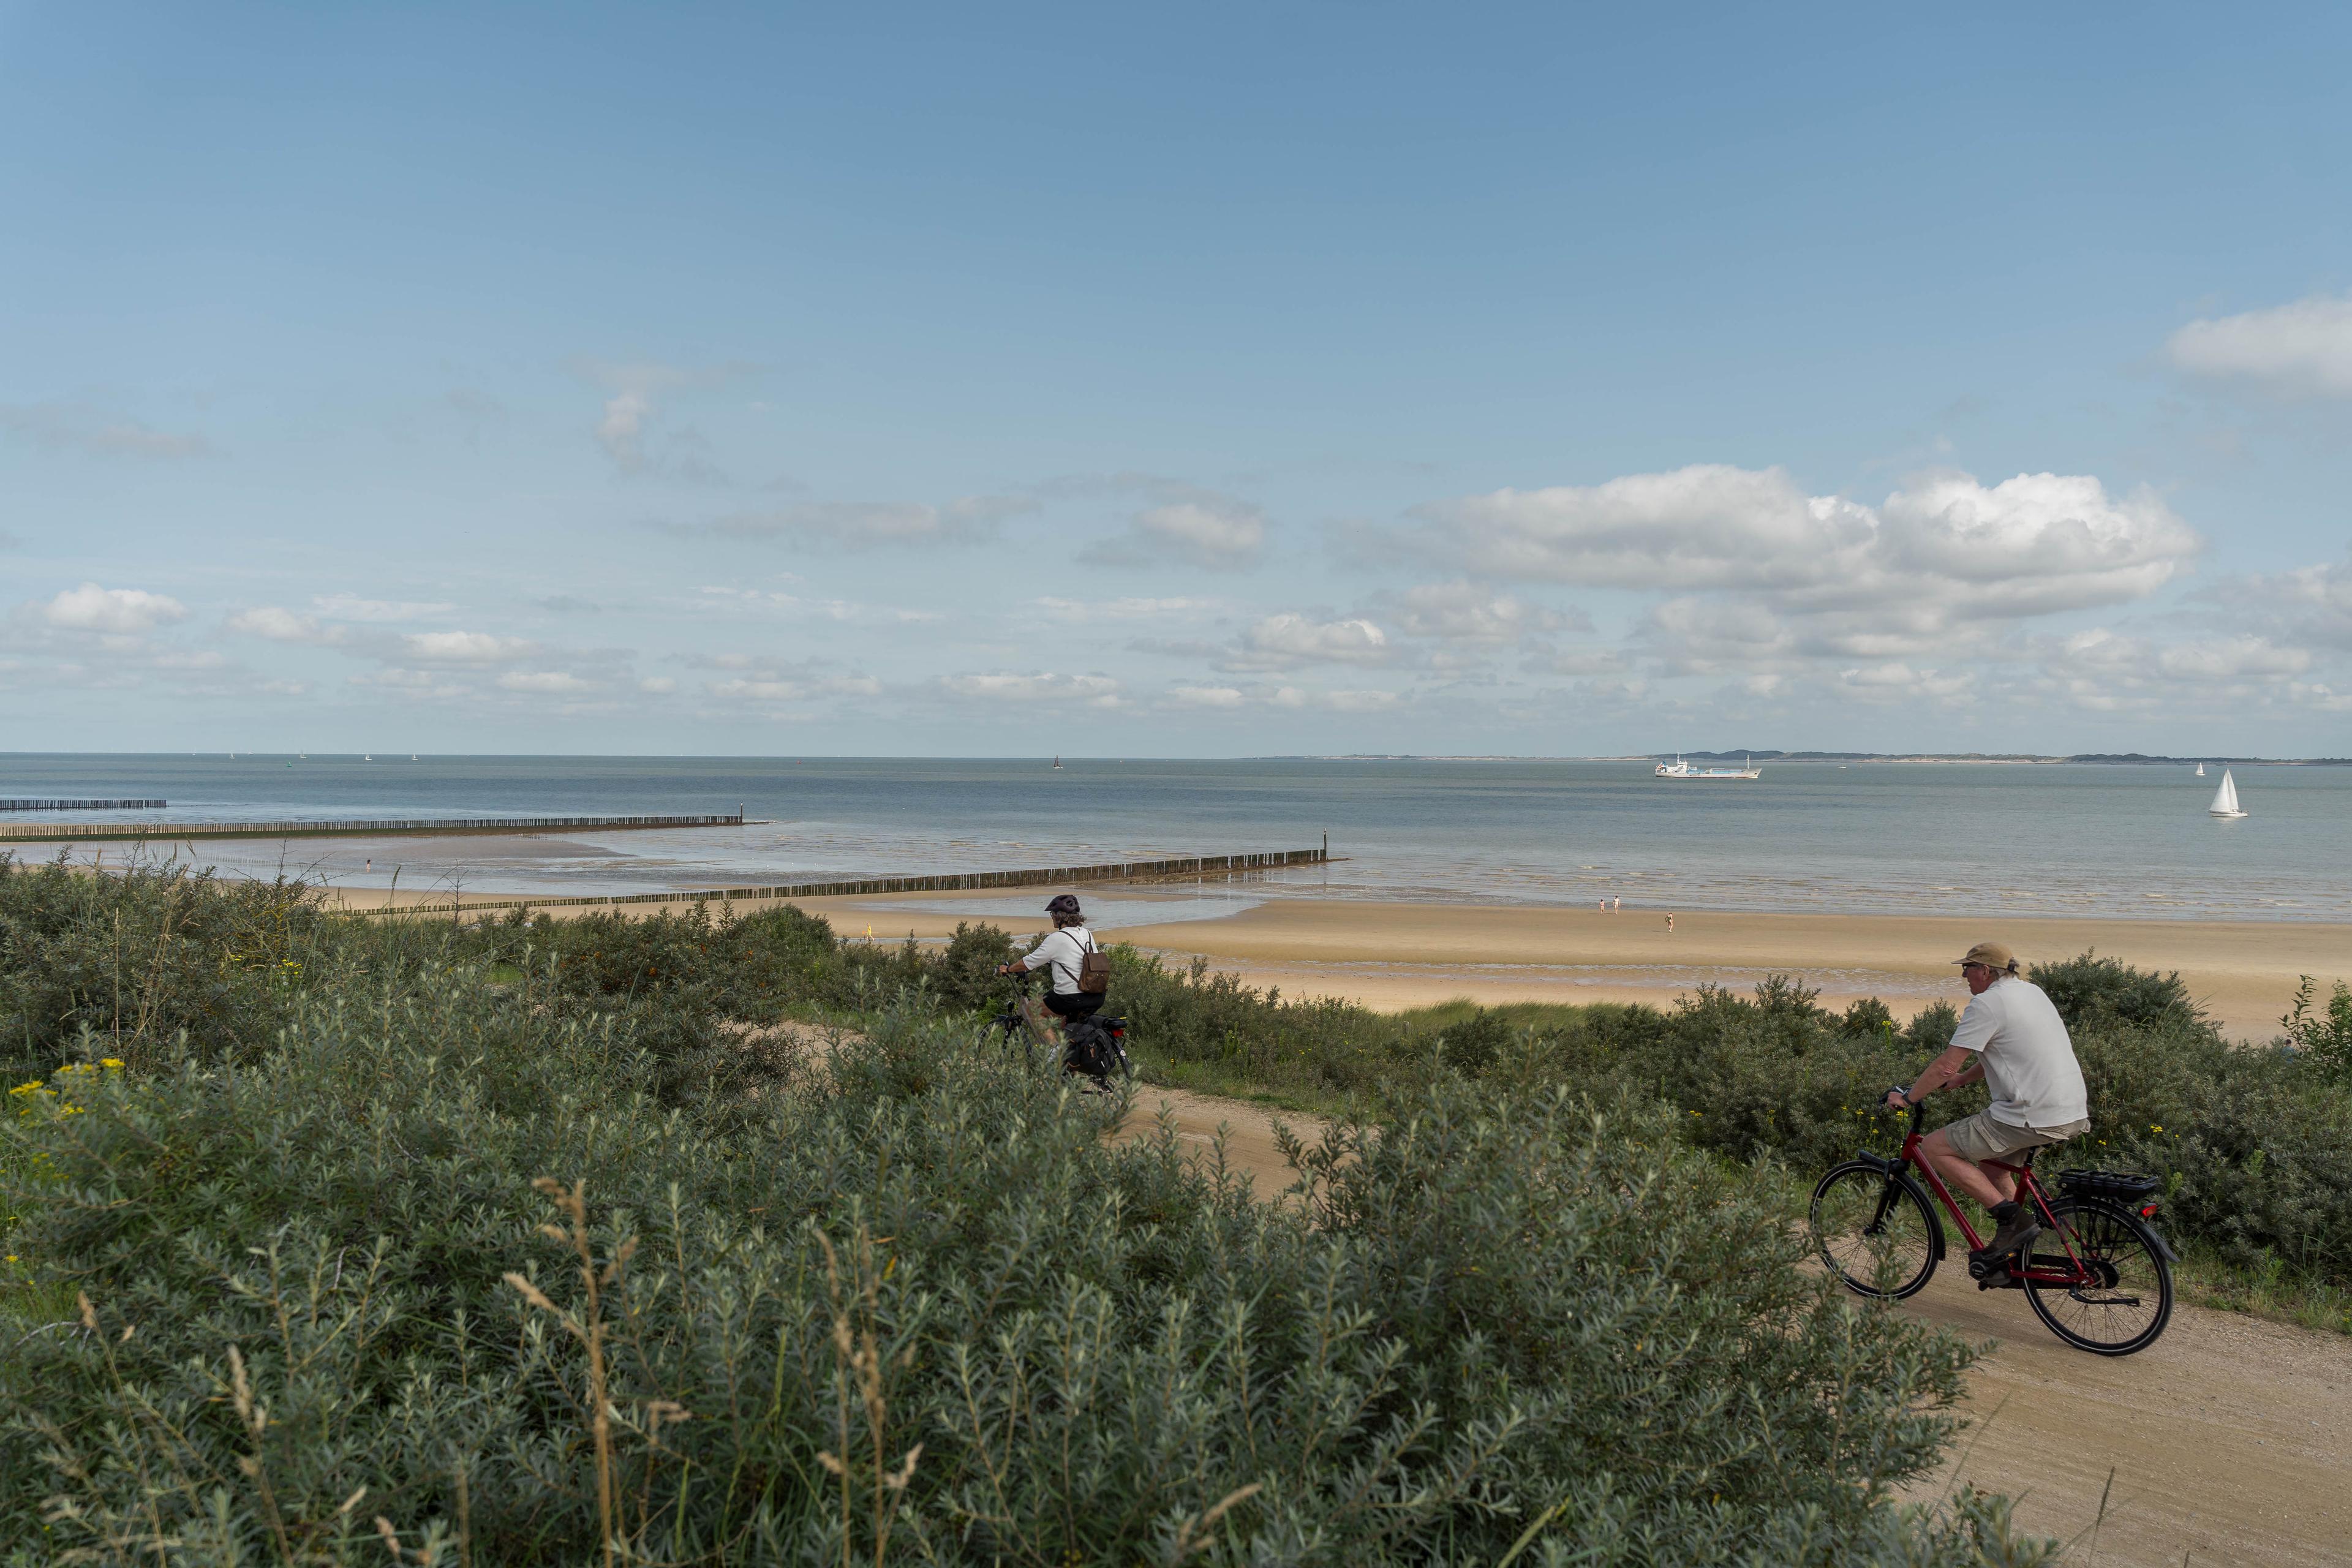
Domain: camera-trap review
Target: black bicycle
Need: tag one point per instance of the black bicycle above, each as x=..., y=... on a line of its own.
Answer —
x=1094, y=1045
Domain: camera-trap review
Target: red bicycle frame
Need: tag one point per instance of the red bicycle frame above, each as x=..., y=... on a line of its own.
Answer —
x=2023, y=1185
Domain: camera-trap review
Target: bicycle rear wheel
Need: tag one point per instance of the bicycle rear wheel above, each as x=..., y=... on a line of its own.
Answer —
x=1874, y=1230
x=2128, y=1301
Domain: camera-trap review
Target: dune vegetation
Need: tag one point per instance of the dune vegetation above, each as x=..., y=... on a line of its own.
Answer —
x=333, y=1239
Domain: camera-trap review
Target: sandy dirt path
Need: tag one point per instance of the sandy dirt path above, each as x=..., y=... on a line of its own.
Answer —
x=2229, y=1440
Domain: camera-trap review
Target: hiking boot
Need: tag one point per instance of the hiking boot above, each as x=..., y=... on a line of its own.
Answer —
x=2016, y=1229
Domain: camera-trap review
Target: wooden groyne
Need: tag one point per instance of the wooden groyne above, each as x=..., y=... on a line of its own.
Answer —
x=956, y=881
x=83, y=804
x=77, y=832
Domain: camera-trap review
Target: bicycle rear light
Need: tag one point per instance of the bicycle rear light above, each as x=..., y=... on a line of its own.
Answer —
x=2147, y=1211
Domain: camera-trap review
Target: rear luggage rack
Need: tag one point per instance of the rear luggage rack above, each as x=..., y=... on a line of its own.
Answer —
x=2124, y=1187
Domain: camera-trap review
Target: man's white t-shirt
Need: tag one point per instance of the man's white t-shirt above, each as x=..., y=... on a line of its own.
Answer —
x=1063, y=951
x=2028, y=1061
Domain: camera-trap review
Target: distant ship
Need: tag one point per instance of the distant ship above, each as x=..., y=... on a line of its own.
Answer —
x=1682, y=770
x=1057, y=762
x=2225, y=799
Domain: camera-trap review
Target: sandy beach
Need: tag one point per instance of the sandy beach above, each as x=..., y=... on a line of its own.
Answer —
x=1395, y=955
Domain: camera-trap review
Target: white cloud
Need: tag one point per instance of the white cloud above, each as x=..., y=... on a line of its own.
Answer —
x=1091, y=690
x=121, y=611
x=658, y=686
x=351, y=607
x=2302, y=349
x=1465, y=612
x=2030, y=545
x=1289, y=640
x=1578, y=662
x=764, y=599
x=545, y=682
x=864, y=525
x=466, y=648
x=2231, y=659
x=1205, y=696
x=621, y=432
x=96, y=431
x=283, y=626
x=2138, y=661
x=1189, y=525
x=1124, y=609
x=1352, y=700
x=1900, y=682
x=2309, y=606
x=774, y=687
x=422, y=684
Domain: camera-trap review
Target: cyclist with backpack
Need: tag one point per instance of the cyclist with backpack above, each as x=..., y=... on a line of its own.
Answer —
x=1079, y=971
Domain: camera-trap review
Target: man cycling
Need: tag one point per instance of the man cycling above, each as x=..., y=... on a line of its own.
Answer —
x=1063, y=954
x=2022, y=1051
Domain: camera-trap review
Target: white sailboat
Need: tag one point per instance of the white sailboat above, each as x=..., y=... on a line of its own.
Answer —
x=2200, y=770
x=2225, y=799
x=366, y=759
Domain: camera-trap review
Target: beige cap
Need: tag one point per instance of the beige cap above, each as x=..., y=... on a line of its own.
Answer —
x=1992, y=955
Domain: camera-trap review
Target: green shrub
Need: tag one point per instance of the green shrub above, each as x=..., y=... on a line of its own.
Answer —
x=2089, y=989
x=918, y=1296
x=1473, y=1045
x=2325, y=1036
x=143, y=958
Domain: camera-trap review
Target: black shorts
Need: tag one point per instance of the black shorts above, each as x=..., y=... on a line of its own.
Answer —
x=1073, y=1003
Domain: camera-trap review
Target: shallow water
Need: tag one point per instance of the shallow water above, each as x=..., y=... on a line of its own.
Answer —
x=2049, y=839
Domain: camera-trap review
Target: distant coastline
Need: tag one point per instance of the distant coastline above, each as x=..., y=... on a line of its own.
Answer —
x=2110, y=759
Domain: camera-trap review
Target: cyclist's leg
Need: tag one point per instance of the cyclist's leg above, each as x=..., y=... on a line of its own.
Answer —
x=1044, y=1028
x=1959, y=1171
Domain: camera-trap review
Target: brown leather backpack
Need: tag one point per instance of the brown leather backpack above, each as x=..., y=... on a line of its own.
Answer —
x=1094, y=969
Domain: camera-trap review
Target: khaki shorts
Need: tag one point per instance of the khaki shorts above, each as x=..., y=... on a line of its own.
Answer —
x=1981, y=1137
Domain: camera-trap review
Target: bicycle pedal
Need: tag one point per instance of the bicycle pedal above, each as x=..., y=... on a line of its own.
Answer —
x=2002, y=1282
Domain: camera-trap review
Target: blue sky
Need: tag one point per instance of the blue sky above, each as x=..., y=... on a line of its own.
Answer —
x=1210, y=381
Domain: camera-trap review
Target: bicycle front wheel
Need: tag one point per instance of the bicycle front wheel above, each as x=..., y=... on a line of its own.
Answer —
x=1874, y=1230
x=2125, y=1302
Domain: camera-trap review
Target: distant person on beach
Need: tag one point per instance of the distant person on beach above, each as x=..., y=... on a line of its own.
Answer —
x=1670, y=923
x=1616, y=904
x=2012, y=1039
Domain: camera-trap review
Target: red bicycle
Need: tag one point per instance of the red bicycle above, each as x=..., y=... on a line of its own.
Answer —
x=2099, y=1275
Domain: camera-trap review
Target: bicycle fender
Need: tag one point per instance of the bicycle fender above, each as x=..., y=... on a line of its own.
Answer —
x=1935, y=1215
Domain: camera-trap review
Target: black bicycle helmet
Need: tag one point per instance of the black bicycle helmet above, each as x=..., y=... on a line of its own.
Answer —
x=1064, y=904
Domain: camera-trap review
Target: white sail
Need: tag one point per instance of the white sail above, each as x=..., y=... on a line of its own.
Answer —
x=2225, y=799
x=2200, y=770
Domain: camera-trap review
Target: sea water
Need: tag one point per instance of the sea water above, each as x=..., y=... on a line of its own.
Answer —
x=2026, y=839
